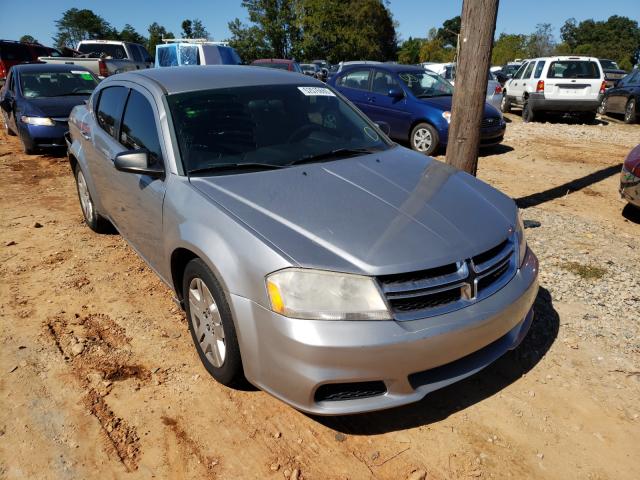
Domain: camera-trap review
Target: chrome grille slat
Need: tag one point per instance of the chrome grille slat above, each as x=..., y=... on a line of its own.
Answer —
x=440, y=290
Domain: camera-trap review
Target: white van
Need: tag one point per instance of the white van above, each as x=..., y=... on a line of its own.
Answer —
x=568, y=84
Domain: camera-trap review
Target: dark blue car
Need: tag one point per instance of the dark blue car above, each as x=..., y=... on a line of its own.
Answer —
x=37, y=99
x=416, y=104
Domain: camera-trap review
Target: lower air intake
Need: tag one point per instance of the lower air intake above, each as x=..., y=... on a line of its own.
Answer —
x=333, y=392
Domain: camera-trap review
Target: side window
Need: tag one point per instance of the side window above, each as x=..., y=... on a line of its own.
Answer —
x=527, y=72
x=135, y=52
x=358, y=79
x=110, y=107
x=12, y=83
x=139, y=127
x=539, y=67
x=383, y=82
x=518, y=74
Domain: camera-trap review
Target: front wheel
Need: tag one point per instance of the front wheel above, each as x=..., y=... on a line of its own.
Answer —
x=630, y=115
x=211, y=324
x=505, y=104
x=424, y=138
x=92, y=218
x=527, y=112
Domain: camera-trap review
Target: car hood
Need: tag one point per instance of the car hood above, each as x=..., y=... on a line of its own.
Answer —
x=53, y=106
x=445, y=103
x=389, y=212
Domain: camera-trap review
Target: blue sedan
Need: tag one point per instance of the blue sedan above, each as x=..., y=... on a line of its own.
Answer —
x=414, y=103
x=37, y=99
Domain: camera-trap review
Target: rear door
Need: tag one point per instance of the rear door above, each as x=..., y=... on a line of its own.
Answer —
x=382, y=107
x=573, y=79
x=354, y=84
x=516, y=84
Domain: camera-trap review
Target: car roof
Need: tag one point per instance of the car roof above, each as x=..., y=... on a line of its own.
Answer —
x=206, y=77
x=391, y=67
x=273, y=60
x=46, y=67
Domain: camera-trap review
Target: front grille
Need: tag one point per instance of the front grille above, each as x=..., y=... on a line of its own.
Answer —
x=333, y=392
x=439, y=290
x=490, y=122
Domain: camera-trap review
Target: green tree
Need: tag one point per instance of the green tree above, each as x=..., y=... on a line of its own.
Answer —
x=28, y=39
x=248, y=41
x=541, y=43
x=156, y=34
x=449, y=31
x=187, y=29
x=433, y=49
x=409, y=51
x=129, y=34
x=338, y=30
x=199, y=31
x=508, y=47
x=76, y=25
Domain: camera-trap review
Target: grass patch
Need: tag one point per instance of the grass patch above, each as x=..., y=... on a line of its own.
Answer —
x=588, y=272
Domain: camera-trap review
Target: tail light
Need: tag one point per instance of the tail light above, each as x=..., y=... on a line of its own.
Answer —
x=540, y=86
x=603, y=86
x=102, y=69
x=498, y=89
x=3, y=72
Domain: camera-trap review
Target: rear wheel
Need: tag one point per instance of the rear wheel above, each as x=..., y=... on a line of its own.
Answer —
x=211, y=324
x=602, y=109
x=505, y=104
x=7, y=129
x=527, y=113
x=630, y=111
x=92, y=218
x=424, y=138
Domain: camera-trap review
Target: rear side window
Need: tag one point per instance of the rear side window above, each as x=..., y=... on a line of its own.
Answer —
x=15, y=52
x=358, y=79
x=539, y=67
x=139, y=127
x=167, y=56
x=104, y=49
x=189, y=55
x=110, y=107
x=527, y=72
x=135, y=53
x=573, y=69
x=145, y=55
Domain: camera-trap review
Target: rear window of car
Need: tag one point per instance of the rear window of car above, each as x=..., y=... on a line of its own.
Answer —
x=358, y=79
x=15, y=52
x=106, y=49
x=573, y=69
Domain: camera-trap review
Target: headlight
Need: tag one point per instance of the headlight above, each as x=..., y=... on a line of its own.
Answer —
x=520, y=238
x=320, y=295
x=447, y=116
x=42, y=121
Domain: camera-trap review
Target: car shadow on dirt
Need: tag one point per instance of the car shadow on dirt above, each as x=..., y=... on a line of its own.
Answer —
x=440, y=404
x=631, y=213
x=535, y=199
x=495, y=150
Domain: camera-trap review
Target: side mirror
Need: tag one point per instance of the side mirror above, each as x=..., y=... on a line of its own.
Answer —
x=137, y=161
x=384, y=126
x=5, y=104
x=395, y=93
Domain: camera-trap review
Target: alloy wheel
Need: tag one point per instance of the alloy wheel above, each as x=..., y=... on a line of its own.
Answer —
x=85, y=198
x=422, y=139
x=628, y=113
x=207, y=322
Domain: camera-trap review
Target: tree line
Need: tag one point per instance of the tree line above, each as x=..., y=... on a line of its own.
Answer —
x=362, y=29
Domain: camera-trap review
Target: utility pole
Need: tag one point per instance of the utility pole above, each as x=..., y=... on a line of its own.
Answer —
x=474, y=59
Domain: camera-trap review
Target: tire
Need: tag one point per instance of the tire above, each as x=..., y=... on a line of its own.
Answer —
x=92, y=218
x=527, y=113
x=630, y=115
x=7, y=129
x=27, y=146
x=424, y=138
x=505, y=104
x=588, y=117
x=211, y=324
x=602, y=108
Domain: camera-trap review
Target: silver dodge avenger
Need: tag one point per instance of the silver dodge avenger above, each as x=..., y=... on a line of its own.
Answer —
x=328, y=266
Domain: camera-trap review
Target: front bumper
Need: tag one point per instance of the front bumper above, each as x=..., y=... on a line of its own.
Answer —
x=630, y=187
x=539, y=103
x=44, y=136
x=492, y=136
x=292, y=358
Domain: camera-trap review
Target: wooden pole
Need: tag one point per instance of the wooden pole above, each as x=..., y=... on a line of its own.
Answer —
x=476, y=41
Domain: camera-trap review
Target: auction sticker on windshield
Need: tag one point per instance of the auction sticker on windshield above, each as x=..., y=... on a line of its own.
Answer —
x=316, y=91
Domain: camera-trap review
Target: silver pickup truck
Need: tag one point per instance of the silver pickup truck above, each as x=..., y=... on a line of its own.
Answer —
x=107, y=57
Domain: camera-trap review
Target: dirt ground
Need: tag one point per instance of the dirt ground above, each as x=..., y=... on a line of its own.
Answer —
x=99, y=379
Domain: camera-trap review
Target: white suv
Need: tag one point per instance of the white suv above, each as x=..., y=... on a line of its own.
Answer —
x=556, y=84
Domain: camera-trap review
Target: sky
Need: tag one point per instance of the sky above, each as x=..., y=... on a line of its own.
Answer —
x=415, y=17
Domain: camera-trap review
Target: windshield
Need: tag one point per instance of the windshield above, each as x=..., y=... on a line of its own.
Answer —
x=426, y=85
x=609, y=65
x=104, y=49
x=55, y=84
x=573, y=69
x=511, y=69
x=273, y=125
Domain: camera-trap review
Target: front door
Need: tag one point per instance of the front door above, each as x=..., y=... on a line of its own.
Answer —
x=385, y=108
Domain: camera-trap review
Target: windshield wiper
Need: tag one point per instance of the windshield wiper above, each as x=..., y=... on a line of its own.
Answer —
x=337, y=153
x=72, y=93
x=438, y=95
x=235, y=166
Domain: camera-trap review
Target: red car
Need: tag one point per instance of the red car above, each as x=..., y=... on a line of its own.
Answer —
x=630, y=178
x=281, y=63
x=13, y=53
